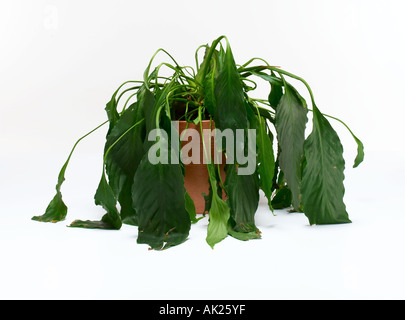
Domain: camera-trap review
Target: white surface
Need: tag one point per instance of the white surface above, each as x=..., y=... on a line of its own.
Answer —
x=60, y=62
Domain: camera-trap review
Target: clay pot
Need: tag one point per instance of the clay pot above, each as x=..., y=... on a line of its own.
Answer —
x=196, y=180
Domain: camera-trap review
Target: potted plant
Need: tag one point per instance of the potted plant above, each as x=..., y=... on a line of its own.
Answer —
x=144, y=173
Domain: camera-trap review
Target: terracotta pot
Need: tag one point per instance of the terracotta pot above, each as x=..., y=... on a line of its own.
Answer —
x=196, y=174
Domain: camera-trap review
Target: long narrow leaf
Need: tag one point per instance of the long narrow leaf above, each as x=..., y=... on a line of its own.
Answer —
x=322, y=183
x=219, y=213
x=243, y=198
x=266, y=164
x=230, y=111
x=291, y=119
x=123, y=160
x=159, y=199
x=360, y=147
x=104, y=197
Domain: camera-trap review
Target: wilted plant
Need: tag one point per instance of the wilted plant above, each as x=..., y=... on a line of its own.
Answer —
x=305, y=172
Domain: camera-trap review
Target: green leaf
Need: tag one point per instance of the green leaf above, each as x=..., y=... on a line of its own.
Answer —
x=360, y=152
x=127, y=153
x=150, y=107
x=57, y=210
x=124, y=158
x=153, y=108
x=209, y=90
x=291, y=119
x=105, y=195
x=266, y=161
x=90, y=224
x=190, y=208
x=219, y=212
x=244, y=236
x=267, y=115
x=275, y=94
x=207, y=200
x=159, y=198
x=265, y=154
x=106, y=198
x=207, y=66
x=230, y=111
x=243, y=199
x=210, y=54
x=271, y=78
x=282, y=199
x=322, y=183
x=112, y=113
x=360, y=147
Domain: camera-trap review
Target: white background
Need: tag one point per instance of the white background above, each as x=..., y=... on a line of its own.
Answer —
x=60, y=62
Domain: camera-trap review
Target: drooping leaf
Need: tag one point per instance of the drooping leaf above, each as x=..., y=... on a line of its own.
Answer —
x=219, y=212
x=271, y=78
x=211, y=54
x=291, y=119
x=360, y=147
x=276, y=85
x=121, y=164
x=117, y=169
x=244, y=236
x=204, y=64
x=322, y=183
x=57, y=210
x=266, y=161
x=243, y=199
x=127, y=153
x=124, y=158
x=158, y=195
x=104, y=197
x=265, y=154
x=360, y=152
x=230, y=111
x=207, y=65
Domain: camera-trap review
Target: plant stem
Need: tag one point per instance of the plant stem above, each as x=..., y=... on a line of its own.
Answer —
x=280, y=71
x=80, y=139
x=337, y=119
x=126, y=102
x=196, y=55
x=253, y=59
x=61, y=176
